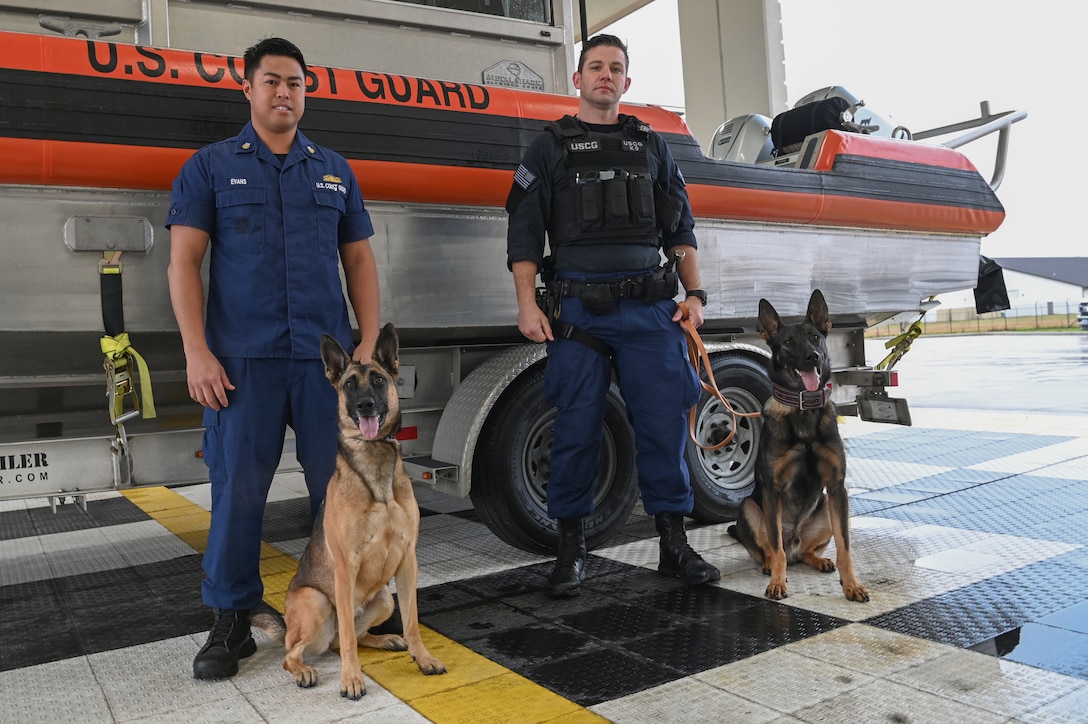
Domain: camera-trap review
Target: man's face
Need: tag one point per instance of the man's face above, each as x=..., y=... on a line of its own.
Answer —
x=277, y=94
x=603, y=78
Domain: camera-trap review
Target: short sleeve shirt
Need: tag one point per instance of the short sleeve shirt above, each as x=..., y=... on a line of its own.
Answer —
x=275, y=230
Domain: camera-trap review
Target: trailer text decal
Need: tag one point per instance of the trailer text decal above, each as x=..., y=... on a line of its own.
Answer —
x=23, y=468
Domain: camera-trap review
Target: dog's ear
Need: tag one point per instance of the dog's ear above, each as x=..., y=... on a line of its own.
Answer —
x=768, y=321
x=387, y=349
x=335, y=358
x=817, y=312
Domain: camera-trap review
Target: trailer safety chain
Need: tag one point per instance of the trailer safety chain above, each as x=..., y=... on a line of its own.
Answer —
x=121, y=357
x=900, y=345
x=698, y=356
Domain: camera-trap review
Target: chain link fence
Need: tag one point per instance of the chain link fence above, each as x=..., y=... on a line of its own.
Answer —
x=1048, y=316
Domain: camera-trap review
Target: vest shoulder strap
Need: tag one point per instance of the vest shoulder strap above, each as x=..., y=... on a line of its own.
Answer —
x=566, y=127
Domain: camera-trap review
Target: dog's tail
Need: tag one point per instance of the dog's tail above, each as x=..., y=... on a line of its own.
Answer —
x=270, y=621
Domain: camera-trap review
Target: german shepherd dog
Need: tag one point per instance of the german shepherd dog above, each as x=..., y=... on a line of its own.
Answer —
x=365, y=534
x=789, y=517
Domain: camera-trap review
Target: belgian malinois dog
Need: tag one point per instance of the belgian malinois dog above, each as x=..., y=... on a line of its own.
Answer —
x=365, y=534
x=789, y=517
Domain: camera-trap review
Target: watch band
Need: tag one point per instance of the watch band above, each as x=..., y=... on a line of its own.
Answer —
x=698, y=294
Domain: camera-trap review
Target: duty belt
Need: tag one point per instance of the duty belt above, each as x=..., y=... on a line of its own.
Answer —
x=628, y=288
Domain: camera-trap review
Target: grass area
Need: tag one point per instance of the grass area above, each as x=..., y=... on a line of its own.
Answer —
x=960, y=321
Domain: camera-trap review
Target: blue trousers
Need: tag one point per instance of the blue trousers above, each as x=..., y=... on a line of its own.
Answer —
x=242, y=447
x=658, y=386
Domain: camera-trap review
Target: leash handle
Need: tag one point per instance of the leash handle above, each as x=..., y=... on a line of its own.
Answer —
x=698, y=357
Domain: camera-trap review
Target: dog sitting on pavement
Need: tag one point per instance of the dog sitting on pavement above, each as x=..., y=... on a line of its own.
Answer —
x=366, y=533
x=799, y=501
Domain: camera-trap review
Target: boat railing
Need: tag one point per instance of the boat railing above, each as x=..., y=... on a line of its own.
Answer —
x=977, y=128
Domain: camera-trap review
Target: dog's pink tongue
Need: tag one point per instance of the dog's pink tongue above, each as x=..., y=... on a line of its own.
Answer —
x=368, y=427
x=811, y=378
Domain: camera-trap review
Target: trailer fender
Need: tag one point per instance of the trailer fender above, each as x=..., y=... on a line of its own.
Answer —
x=468, y=407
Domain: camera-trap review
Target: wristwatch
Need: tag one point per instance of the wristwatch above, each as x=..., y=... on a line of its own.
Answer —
x=698, y=294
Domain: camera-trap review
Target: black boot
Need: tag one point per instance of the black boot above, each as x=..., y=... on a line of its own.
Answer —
x=677, y=558
x=228, y=641
x=570, y=567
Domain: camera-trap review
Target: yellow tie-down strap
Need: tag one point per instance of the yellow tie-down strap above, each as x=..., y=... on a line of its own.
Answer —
x=119, y=351
x=900, y=345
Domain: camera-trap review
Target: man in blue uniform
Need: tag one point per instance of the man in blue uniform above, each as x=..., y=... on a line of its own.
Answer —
x=280, y=214
x=605, y=189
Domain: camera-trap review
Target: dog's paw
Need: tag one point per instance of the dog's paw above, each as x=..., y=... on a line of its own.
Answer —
x=776, y=591
x=856, y=592
x=352, y=686
x=388, y=642
x=429, y=665
x=824, y=565
x=766, y=570
x=305, y=676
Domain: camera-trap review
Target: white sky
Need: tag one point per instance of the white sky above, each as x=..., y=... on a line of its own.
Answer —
x=929, y=63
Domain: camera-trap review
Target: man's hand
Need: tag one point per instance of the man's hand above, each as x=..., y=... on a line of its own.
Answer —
x=534, y=324
x=694, y=313
x=208, y=383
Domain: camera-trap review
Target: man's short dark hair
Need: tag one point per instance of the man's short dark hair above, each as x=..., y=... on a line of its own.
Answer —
x=270, y=46
x=603, y=39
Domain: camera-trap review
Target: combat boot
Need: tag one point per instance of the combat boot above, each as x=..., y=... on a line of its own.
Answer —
x=570, y=566
x=228, y=641
x=677, y=557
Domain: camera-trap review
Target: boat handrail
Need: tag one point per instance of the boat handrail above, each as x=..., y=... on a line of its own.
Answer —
x=986, y=124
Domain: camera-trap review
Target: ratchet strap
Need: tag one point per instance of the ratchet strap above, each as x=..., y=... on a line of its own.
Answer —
x=900, y=345
x=698, y=356
x=121, y=358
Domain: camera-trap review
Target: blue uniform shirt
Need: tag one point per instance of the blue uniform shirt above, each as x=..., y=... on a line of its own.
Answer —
x=275, y=232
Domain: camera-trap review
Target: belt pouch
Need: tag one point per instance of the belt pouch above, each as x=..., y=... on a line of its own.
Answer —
x=597, y=299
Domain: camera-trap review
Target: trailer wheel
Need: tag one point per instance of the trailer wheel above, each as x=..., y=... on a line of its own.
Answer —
x=721, y=479
x=511, y=468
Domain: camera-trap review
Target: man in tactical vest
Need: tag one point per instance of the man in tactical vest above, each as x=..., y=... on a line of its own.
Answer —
x=605, y=189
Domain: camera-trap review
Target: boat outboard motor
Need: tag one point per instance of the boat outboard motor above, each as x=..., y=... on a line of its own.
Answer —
x=745, y=138
x=830, y=108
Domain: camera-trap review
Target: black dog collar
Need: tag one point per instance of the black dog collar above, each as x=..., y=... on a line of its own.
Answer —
x=806, y=400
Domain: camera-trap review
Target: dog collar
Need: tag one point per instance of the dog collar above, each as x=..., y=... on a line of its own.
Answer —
x=806, y=400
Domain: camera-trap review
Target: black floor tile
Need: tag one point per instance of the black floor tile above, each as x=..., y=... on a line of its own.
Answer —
x=50, y=636
x=436, y=599
x=522, y=648
x=695, y=647
x=97, y=579
x=465, y=624
x=100, y=513
x=704, y=603
x=622, y=622
x=108, y=627
x=16, y=524
x=503, y=584
x=947, y=622
x=778, y=623
x=599, y=675
x=286, y=520
x=121, y=597
x=27, y=601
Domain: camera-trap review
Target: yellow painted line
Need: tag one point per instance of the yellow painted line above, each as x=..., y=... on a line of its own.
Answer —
x=474, y=689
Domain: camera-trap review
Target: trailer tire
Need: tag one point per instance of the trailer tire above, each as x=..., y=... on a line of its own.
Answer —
x=511, y=466
x=721, y=479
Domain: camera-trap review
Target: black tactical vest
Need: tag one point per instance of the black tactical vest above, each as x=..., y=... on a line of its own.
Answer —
x=609, y=194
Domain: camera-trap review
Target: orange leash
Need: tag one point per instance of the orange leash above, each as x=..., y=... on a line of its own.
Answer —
x=698, y=357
